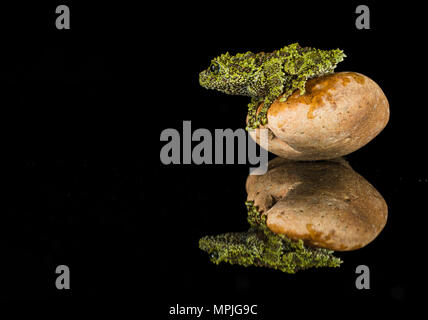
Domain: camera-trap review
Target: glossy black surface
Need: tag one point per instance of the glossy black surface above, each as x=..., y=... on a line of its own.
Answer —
x=81, y=115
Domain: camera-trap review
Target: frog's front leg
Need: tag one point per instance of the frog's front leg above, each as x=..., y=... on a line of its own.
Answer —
x=275, y=79
x=252, y=117
x=276, y=88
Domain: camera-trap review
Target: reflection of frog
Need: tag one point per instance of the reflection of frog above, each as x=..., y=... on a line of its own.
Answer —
x=266, y=76
x=261, y=247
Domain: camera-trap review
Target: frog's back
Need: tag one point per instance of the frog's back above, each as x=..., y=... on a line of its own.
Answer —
x=311, y=61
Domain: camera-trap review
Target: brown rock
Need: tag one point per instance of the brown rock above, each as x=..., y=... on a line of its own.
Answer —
x=338, y=114
x=326, y=203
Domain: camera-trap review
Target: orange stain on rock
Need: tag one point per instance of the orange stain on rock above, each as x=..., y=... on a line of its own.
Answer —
x=318, y=238
x=318, y=92
x=356, y=76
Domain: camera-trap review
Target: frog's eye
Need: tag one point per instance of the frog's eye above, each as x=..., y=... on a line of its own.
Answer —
x=214, y=67
x=214, y=255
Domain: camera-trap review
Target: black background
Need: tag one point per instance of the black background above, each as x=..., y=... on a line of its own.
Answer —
x=82, y=183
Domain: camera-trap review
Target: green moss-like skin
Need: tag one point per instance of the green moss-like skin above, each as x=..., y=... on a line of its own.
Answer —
x=262, y=248
x=266, y=76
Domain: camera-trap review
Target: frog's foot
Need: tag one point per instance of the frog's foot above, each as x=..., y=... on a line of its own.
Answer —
x=253, y=122
x=285, y=96
x=296, y=84
x=300, y=84
x=262, y=115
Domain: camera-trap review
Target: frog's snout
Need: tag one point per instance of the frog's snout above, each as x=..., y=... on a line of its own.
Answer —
x=203, y=78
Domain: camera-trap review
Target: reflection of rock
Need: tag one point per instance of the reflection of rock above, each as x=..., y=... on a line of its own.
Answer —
x=325, y=203
x=338, y=114
x=298, y=212
x=261, y=247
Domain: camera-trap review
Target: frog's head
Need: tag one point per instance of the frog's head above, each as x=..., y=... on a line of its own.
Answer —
x=228, y=74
